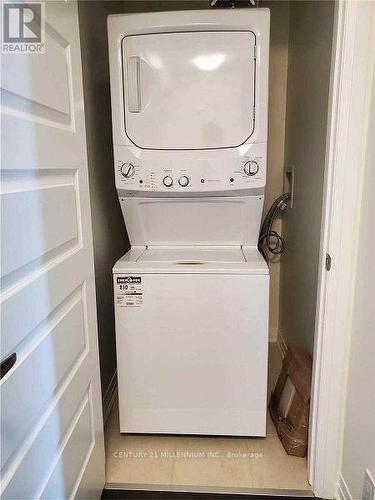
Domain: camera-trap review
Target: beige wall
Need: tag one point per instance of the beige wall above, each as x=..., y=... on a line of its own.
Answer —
x=309, y=59
x=276, y=134
x=359, y=430
x=110, y=240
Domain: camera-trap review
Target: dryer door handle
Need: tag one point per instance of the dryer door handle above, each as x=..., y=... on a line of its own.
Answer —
x=133, y=84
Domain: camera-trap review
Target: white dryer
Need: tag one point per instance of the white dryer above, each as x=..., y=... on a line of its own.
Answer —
x=189, y=107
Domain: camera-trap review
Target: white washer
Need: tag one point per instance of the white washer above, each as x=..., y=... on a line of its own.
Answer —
x=192, y=341
x=189, y=107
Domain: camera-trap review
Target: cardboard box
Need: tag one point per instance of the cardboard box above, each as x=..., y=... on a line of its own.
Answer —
x=290, y=401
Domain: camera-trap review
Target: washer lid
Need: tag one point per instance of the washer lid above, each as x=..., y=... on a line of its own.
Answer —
x=192, y=255
x=191, y=260
x=189, y=90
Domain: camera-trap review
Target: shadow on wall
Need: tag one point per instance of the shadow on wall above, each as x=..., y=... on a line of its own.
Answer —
x=109, y=232
x=309, y=61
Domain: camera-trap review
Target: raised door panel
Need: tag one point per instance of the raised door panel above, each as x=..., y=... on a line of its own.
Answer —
x=44, y=229
x=41, y=454
x=45, y=364
x=52, y=429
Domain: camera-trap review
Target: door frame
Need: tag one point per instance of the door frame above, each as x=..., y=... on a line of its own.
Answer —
x=348, y=112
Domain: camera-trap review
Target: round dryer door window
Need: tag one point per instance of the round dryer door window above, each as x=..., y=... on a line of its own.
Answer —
x=189, y=90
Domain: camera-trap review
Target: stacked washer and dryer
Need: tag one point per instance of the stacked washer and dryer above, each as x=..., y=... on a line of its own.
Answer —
x=189, y=105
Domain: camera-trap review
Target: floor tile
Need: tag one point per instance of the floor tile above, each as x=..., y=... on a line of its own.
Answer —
x=220, y=462
x=206, y=444
x=220, y=473
x=204, y=461
x=138, y=459
x=273, y=468
x=298, y=471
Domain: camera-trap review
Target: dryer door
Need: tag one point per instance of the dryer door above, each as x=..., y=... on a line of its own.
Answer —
x=191, y=90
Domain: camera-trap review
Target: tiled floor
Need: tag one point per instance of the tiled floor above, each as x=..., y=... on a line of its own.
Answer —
x=251, y=463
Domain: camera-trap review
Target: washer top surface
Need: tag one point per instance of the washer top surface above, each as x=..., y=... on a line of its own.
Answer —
x=188, y=260
x=186, y=255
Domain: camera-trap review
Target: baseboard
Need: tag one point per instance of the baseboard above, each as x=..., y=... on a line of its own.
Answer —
x=343, y=492
x=273, y=334
x=109, y=397
x=281, y=344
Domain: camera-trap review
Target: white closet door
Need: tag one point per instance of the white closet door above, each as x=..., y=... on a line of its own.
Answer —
x=51, y=417
x=189, y=90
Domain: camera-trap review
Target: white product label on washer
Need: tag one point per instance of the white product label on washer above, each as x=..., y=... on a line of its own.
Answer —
x=128, y=291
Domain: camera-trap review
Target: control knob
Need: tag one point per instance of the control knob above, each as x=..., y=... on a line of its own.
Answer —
x=168, y=181
x=183, y=181
x=251, y=167
x=127, y=170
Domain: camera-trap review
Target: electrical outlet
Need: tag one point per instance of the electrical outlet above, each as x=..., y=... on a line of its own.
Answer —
x=368, y=486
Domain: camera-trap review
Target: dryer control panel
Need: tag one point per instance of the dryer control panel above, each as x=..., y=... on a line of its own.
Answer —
x=214, y=172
